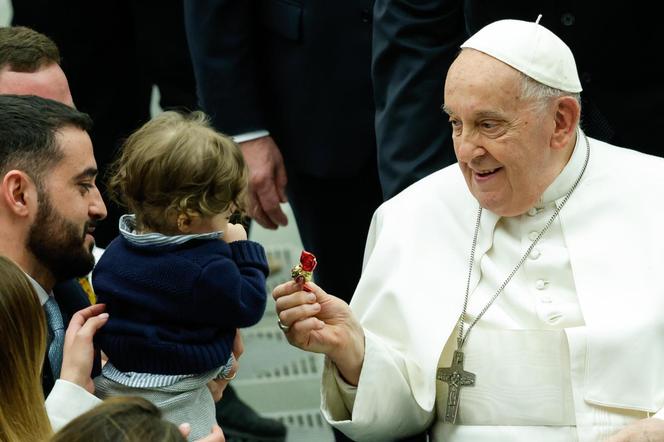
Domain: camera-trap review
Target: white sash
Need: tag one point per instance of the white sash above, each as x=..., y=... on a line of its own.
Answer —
x=522, y=390
x=527, y=388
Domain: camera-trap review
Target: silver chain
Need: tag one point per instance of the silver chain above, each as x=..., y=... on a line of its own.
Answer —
x=462, y=338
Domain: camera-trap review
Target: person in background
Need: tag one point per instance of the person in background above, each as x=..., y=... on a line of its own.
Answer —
x=120, y=419
x=294, y=90
x=22, y=348
x=30, y=65
x=291, y=82
x=23, y=335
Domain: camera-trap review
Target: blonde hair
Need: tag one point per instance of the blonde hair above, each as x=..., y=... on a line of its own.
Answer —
x=177, y=163
x=120, y=419
x=22, y=347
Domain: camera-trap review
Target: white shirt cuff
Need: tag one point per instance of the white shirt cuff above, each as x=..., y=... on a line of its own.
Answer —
x=346, y=390
x=67, y=401
x=248, y=136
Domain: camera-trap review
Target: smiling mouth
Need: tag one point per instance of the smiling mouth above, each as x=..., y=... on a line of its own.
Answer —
x=487, y=172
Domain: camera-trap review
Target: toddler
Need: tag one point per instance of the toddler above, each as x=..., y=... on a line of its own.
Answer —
x=180, y=278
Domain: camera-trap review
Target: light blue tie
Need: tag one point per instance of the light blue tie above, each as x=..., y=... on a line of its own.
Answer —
x=56, y=333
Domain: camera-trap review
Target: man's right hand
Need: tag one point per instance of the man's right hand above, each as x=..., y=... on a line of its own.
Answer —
x=322, y=323
x=267, y=182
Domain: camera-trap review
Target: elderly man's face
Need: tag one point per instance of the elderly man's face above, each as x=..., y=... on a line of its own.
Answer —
x=69, y=207
x=502, y=142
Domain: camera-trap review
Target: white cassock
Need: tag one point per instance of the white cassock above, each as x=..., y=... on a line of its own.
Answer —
x=573, y=349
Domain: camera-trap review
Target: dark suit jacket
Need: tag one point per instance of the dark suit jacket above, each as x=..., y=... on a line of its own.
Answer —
x=111, y=73
x=71, y=298
x=415, y=42
x=274, y=64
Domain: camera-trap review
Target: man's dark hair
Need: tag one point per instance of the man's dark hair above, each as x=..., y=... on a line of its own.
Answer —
x=28, y=129
x=25, y=50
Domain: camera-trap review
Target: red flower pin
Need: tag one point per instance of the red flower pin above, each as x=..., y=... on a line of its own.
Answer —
x=302, y=272
x=308, y=261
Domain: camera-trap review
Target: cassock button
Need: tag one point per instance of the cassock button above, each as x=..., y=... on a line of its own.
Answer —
x=533, y=235
x=540, y=284
x=532, y=211
x=535, y=254
x=554, y=317
x=546, y=299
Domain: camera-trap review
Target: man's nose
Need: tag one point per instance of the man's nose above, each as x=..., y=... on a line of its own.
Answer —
x=97, y=208
x=467, y=148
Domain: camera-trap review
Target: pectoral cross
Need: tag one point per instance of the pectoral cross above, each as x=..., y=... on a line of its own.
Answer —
x=455, y=378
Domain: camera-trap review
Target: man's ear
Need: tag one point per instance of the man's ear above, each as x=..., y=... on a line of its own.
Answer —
x=567, y=115
x=18, y=193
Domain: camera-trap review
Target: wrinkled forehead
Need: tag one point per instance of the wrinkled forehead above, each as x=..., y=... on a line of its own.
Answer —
x=475, y=67
x=48, y=82
x=477, y=80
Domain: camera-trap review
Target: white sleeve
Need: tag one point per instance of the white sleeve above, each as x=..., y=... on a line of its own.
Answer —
x=338, y=395
x=249, y=136
x=382, y=408
x=68, y=401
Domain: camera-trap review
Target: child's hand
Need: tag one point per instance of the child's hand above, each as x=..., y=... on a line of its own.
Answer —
x=234, y=232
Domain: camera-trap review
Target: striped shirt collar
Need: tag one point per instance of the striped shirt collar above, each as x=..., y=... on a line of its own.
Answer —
x=127, y=226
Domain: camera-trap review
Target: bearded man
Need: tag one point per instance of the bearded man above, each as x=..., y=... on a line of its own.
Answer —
x=49, y=206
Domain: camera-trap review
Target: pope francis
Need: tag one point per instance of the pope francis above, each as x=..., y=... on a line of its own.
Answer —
x=514, y=296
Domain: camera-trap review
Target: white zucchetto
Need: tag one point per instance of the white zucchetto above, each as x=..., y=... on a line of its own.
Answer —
x=531, y=49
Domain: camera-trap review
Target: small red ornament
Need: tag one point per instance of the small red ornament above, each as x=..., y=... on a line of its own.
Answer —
x=302, y=272
x=308, y=261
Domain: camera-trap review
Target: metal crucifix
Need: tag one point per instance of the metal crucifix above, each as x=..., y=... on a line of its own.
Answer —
x=455, y=377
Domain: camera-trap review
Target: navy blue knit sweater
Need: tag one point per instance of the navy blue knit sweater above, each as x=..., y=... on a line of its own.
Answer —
x=173, y=309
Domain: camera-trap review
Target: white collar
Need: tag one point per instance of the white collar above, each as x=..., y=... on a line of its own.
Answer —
x=564, y=181
x=41, y=293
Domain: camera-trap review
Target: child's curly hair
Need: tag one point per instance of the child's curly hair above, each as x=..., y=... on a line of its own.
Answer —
x=177, y=163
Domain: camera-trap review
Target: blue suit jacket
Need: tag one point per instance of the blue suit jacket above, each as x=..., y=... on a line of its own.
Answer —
x=71, y=298
x=298, y=68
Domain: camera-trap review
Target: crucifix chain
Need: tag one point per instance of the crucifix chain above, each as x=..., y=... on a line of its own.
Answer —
x=455, y=376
